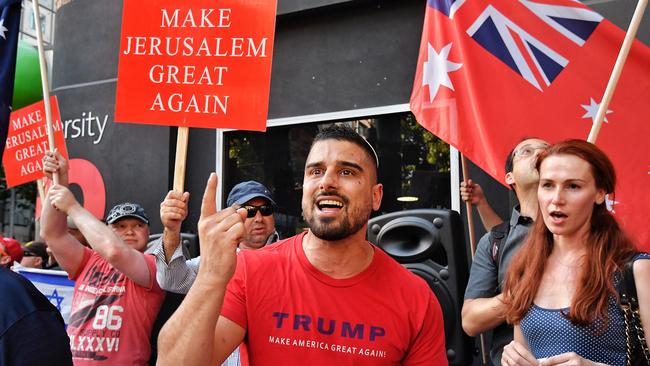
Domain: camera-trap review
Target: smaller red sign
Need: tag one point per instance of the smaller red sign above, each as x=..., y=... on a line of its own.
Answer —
x=27, y=142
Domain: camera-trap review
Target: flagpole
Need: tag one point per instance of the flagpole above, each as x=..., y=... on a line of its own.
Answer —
x=618, y=68
x=468, y=207
x=45, y=83
x=472, y=241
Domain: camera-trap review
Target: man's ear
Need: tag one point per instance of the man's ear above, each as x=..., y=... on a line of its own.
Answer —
x=510, y=178
x=377, y=194
x=39, y=262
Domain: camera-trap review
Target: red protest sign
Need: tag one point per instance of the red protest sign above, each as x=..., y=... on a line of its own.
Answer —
x=198, y=63
x=27, y=142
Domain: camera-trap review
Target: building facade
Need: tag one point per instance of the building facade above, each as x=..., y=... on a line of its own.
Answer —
x=334, y=61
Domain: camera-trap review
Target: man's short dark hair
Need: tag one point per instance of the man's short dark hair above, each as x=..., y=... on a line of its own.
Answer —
x=510, y=157
x=344, y=133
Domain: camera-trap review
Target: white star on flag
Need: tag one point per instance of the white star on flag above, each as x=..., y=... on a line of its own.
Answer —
x=610, y=204
x=592, y=110
x=3, y=29
x=437, y=69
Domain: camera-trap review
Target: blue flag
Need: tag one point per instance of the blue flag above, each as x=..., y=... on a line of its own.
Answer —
x=9, y=28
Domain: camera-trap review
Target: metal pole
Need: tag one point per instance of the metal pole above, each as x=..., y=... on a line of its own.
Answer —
x=12, y=213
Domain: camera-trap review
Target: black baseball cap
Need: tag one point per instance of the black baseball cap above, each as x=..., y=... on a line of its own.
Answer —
x=35, y=249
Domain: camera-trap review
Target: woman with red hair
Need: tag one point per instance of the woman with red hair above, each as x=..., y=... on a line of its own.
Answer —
x=562, y=286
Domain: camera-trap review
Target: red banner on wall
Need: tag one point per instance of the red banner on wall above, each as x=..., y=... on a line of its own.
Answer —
x=27, y=142
x=197, y=63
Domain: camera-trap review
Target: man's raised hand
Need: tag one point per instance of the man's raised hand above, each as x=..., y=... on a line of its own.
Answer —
x=471, y=192
x=54, y=162
x=173, y=210
x=219, y=234
x=62, y=199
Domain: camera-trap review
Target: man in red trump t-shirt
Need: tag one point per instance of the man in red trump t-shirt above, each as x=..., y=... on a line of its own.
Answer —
x=324, y=297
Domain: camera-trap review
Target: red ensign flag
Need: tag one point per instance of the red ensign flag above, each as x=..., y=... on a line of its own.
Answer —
x=491, y=72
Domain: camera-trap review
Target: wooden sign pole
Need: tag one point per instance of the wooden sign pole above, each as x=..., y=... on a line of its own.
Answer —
x=472, y=242
x=180, y=162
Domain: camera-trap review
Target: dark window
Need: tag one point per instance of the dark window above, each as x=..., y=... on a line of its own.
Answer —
x=413, y=164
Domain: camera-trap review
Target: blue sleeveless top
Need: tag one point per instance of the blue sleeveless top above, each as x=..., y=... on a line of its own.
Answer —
x=549, y=333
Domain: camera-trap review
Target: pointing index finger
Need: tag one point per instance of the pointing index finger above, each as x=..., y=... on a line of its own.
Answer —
x=209, y=203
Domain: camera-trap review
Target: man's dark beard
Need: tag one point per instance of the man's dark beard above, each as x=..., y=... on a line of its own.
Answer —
x=325, y=229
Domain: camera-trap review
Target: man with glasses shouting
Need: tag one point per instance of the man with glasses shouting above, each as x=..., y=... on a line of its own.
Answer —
x=176, y=274
x=483, y=308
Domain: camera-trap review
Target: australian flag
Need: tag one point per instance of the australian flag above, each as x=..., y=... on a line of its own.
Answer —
x=491, y=72
x=9, y=27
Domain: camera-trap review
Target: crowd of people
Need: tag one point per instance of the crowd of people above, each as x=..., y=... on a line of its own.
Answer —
x=545, y=282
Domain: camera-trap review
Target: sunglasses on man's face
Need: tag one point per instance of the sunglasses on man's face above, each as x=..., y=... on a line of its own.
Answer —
x=266, y=210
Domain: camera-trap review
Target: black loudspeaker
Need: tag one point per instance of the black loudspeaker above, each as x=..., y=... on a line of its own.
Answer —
x=430, y=243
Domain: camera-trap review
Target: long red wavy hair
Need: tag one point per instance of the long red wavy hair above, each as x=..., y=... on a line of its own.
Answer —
x=608, y=246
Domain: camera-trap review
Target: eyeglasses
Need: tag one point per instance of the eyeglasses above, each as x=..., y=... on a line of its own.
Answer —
x=266, y=210
x=528, y=150
x=29, y=254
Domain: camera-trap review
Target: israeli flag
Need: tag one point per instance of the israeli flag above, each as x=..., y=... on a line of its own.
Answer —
x=55, y=285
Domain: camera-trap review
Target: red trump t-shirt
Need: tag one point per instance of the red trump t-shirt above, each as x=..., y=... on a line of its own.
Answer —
x=296, y=315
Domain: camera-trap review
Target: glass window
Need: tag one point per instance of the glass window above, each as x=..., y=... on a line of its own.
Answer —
x=413, y=164
x=28, y=24
x=48, y=4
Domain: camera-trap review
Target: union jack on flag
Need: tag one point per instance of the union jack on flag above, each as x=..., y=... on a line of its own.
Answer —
x=491, y=72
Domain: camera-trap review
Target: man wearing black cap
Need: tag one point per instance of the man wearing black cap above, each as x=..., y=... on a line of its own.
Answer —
x=176, y=274
x=116, y=297
x=34, y=255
